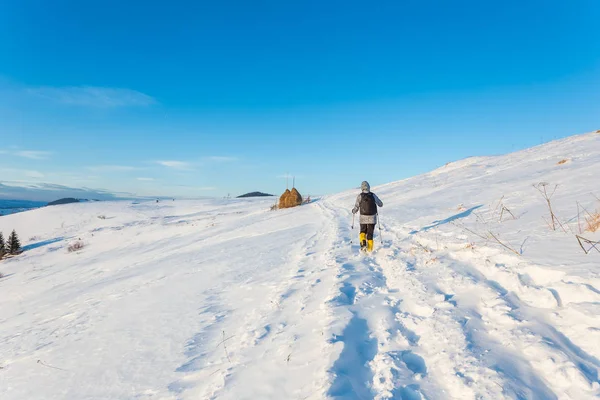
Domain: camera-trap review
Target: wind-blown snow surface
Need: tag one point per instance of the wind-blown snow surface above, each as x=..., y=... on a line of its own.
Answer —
x=228, y=300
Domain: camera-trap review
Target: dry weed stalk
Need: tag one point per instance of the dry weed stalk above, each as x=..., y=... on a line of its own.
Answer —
x=503, y=244
x=225, y=346
x=578, y=219
x=505, y=209
x=425, y=249
x=498, y=205
x=589, y=242
x=487, y=236
x=50, y=366
x=542, y=188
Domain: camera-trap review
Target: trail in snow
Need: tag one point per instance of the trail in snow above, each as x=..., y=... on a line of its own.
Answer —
x=446, y=330
x=223, y=299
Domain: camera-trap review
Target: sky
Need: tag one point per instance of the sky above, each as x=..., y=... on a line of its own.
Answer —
x=198, y=98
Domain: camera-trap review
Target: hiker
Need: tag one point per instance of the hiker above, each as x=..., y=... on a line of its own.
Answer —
x=367, y=203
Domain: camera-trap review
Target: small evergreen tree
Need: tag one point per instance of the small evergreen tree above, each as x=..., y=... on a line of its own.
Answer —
x=2, y=246
x=14, y=245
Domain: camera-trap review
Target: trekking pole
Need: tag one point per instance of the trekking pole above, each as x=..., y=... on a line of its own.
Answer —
x=379, y=223
x=353, y=220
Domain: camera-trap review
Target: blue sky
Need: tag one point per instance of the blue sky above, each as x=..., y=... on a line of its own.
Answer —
x=195, y=98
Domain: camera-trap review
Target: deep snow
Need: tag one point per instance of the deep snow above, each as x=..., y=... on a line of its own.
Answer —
x=224, y=299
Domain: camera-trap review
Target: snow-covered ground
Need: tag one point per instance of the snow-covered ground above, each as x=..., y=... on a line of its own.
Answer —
x=225, y=299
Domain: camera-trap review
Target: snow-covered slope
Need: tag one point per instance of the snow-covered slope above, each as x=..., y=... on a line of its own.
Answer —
x=469, y=295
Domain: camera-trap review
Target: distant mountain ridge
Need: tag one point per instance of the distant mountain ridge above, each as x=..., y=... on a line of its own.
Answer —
x=66, y=200
x=255, y=194
x=14, y=206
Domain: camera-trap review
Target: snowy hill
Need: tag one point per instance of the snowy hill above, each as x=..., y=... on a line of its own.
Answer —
x=471, y=295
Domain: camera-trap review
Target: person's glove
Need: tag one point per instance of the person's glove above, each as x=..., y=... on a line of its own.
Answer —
x=354, y=210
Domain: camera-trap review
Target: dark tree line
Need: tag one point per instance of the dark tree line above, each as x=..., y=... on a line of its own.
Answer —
x=11, y=246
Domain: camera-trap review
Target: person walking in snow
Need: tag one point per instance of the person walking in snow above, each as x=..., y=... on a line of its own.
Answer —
x=367, y=203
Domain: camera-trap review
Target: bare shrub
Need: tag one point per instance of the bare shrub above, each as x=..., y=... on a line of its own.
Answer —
x=274, y=207
x=101, y=216
x=76, y=246
x=564, y=161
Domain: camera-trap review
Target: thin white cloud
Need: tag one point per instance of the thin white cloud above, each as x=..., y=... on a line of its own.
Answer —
x=91, y=96
x=33, y=154
x=21, y=172
x=199, y=188
x=221, y=159
x=145, y=179
x=48, y=192
x=181, y=165
x=34, y=174
x=113, y=168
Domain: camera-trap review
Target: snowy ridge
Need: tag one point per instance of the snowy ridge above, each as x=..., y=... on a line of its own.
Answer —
x=227, y=300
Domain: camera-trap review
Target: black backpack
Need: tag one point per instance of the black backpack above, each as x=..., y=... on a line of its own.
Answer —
x=367, y=204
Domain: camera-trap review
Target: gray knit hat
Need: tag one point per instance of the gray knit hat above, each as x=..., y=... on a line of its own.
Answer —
x=365, y=187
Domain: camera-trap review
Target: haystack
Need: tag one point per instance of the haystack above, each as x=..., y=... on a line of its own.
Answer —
x=295, y=198
x=290, y=199
x=283, y=198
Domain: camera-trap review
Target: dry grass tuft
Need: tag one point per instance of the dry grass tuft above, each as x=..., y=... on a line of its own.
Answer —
x=76, y=246
x=593, y=222
x=564, y=161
